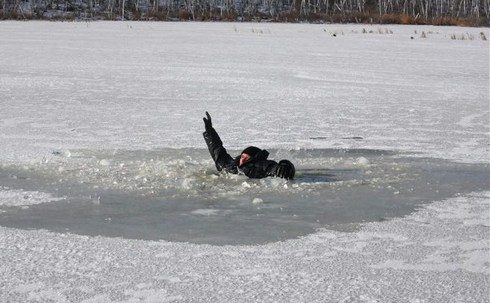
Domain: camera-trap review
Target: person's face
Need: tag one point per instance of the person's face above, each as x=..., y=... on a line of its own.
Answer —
x=244, y=158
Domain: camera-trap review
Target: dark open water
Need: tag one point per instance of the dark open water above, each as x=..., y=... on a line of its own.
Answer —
x=176, y=194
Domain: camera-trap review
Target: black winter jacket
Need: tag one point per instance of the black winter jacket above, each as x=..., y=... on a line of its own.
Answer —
x=257, y=167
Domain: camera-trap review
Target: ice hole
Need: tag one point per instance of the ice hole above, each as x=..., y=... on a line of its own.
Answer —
x=177, y=195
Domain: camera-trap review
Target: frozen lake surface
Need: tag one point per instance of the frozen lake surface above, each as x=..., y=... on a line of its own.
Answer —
x=101, y=128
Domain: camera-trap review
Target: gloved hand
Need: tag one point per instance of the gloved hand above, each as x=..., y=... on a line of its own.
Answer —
x=207, y=122
x=285, y=169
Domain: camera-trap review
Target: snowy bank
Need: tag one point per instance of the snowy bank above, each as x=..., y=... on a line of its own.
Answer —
x=439, y=254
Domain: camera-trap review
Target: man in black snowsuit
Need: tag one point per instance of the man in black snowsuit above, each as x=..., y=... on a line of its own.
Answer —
x=252, y=161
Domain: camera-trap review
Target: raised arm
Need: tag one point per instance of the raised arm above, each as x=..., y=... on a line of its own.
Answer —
x=222, y=159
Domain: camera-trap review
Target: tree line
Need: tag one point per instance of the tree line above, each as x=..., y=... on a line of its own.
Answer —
x=450, y=12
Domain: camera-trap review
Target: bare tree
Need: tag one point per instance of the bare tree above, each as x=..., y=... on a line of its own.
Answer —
x=277, y=9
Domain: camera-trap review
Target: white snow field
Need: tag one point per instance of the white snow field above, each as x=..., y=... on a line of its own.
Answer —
x=74, y=87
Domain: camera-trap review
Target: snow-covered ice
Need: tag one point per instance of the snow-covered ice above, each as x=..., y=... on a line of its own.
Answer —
x=67, y=87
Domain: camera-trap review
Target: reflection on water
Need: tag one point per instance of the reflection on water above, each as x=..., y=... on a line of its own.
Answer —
x=177, y=195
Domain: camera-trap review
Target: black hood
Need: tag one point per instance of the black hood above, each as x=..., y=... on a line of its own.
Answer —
x=255, y=153
x=251, y=151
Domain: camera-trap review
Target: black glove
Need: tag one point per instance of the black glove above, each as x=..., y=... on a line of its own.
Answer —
x=207, y=122
x=285, y=169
